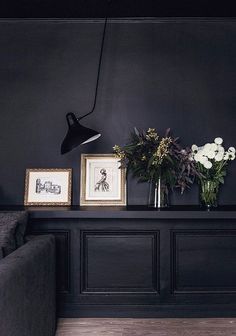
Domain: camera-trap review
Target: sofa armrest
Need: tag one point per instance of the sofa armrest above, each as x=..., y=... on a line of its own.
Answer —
x=27, y=289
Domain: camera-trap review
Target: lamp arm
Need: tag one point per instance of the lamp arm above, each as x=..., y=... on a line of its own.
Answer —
x=98, y=73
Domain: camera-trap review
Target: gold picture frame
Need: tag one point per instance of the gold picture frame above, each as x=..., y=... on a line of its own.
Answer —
x=102, y=182
x=48, y=187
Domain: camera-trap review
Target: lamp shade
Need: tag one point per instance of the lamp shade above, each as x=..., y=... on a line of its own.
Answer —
x=77, y=134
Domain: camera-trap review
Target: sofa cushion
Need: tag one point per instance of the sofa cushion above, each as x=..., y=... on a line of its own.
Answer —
x=22, y=220
x=12, y=230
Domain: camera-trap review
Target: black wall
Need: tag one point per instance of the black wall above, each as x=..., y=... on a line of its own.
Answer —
x=115, y=8
x=156, y=73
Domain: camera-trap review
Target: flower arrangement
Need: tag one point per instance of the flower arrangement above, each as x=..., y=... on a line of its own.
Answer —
x=211, y=161
x=149, y=155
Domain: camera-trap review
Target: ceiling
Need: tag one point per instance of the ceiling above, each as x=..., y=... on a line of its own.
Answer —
x=117, y=8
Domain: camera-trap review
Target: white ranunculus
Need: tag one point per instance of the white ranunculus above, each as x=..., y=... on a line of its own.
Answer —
x=204, y=151
x=201, y=151
x=220, y=149
x=208, y=165
x=207, y=147
x=203, y=159
x=226, y=156
x=219, y=157
x=213, y=147
x=197, y=157
x=194, y=148
x=211, y=154
x=231, y=156
x=218, y=141
x=231, y=149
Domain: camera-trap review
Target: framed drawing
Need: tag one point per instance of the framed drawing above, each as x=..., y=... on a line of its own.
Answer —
x=48, y=187
x=103, y=182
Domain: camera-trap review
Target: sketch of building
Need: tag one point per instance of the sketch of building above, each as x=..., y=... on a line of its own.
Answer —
x=47, y=187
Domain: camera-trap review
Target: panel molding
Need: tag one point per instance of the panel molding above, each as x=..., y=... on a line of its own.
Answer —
x=175, y=289
x=154, y=235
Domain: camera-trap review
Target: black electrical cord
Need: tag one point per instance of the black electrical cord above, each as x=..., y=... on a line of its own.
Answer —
x=99, y=66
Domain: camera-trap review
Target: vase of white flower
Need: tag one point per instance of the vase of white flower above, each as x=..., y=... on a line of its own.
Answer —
x=211, y=161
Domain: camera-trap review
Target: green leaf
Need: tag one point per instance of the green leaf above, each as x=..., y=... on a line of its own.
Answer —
x=136, y=131
x=221, y=180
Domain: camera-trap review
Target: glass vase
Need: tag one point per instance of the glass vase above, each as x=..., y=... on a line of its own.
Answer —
x=158, y=194
x=209, y=193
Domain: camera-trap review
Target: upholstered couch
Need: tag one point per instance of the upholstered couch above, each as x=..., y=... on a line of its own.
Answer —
x=27, y=282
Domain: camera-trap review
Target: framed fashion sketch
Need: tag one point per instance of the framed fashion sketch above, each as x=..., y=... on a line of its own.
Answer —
x=48, y=187
x=103, y=182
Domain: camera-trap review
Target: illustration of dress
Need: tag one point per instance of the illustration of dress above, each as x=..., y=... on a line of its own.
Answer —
x=102, y=184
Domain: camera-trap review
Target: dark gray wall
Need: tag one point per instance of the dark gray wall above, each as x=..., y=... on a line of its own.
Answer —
x=164, y=73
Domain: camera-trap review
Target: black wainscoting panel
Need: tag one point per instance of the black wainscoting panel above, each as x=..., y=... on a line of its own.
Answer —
x=204, y=261
x=62, y=259
x=180, y=262
x=120, y=262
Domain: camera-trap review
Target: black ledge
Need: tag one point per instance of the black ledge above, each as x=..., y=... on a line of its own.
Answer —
x=132, y=211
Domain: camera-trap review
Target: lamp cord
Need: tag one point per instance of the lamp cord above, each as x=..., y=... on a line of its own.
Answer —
x=98, y=73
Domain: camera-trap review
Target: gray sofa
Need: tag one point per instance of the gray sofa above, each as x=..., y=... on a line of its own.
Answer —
x=27, y=289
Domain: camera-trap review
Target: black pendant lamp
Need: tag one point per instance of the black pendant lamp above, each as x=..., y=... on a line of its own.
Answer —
x=78, y=134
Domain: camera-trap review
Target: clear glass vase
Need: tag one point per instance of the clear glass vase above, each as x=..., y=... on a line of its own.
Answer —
x=209, y=193
x=158, y=194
